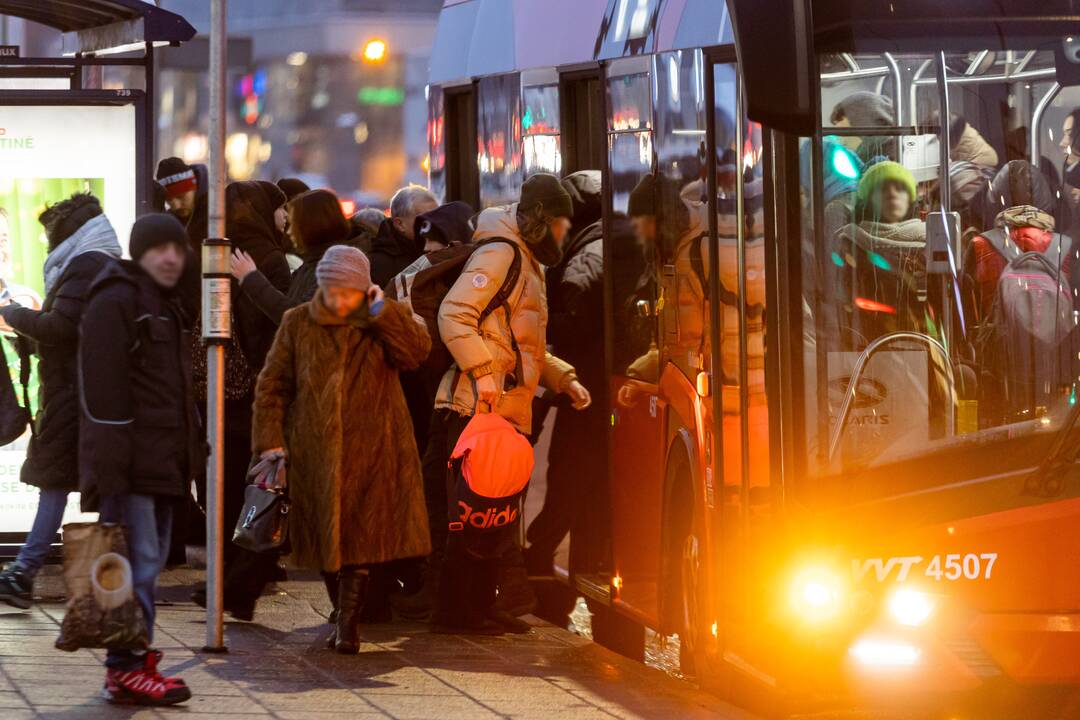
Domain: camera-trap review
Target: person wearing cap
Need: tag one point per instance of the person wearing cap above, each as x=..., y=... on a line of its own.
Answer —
x=501, y=360
x=139, y=443
x=186, y=195
x=329, y=399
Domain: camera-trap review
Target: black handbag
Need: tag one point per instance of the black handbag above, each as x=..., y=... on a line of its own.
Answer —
x=264, y=520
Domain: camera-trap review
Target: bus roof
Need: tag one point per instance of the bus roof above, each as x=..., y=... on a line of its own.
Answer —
x=476, y=38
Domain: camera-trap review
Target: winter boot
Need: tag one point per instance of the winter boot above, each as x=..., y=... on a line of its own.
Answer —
x=144, y=686
x=352, y=586
x=16, y=588
x=516, y=595
x=330, y=579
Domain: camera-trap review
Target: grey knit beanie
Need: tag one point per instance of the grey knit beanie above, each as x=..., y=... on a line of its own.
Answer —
x=344, y=266
x=865, y=109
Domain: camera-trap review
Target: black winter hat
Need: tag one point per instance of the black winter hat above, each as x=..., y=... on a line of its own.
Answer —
x=292, y=187
x=154, y=230
x=447, y=224
x=643, y=197
x=584, y=189
x=544, y=190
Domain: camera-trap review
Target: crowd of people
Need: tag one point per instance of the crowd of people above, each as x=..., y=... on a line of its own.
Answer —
x=323, y=368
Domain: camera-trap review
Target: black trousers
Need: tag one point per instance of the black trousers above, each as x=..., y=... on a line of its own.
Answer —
x=469, y=575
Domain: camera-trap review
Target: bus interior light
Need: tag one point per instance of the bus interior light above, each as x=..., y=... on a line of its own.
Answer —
x=911, y=607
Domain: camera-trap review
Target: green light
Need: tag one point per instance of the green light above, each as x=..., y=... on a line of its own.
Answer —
x=844, y=165
x=372, y=95
x=879, y=261
x=527, y=119
x=837, y=260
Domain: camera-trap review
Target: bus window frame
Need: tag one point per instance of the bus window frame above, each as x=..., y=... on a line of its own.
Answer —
x=574, y=158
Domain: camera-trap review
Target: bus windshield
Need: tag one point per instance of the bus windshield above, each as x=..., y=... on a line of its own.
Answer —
x=941, y=262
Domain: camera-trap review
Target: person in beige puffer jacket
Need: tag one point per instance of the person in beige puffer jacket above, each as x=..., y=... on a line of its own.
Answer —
x=490, y=375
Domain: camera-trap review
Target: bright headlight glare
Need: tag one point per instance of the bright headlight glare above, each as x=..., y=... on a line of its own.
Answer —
x=910, y=607
x=873, y=652
x=816, y=594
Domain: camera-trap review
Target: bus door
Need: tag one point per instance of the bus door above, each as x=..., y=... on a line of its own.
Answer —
x=634, y=305
x=737, y=487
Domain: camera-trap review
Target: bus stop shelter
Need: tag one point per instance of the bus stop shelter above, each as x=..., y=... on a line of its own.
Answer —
x=58, y=136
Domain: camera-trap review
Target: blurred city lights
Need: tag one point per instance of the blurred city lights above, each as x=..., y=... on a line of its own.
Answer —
x=374, y=51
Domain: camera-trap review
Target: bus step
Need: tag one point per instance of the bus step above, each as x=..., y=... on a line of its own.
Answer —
x=595, y=587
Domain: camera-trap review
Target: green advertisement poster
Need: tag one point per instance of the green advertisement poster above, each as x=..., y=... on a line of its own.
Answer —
x=23, y=248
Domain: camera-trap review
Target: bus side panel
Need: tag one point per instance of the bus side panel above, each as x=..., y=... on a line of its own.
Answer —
x=636, y=492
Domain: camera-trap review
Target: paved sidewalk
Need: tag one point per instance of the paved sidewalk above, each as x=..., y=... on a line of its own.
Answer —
x=278, y=667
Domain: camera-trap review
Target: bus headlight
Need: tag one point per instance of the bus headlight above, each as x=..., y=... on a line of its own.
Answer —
x=910, y=607
x=817, y=594
x=884, y=653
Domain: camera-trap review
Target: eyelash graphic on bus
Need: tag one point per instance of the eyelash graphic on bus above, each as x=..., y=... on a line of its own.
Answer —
x=953, y=566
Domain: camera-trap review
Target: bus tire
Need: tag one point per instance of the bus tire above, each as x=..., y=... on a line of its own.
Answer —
x=616, y=632
x=686, y=559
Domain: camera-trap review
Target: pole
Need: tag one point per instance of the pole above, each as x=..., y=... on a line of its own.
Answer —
x=216, y=326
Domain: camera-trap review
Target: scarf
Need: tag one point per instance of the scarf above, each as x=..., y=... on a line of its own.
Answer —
x=906, y=233
x=358, y=318
x=1024, y=216
x=95, y=235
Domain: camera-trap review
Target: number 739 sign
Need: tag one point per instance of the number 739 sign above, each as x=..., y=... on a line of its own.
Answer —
x=954, y=566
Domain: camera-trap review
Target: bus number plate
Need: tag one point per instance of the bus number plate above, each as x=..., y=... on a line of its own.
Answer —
x=954, y=566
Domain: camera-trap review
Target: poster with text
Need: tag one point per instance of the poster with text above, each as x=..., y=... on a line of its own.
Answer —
x=48, y=153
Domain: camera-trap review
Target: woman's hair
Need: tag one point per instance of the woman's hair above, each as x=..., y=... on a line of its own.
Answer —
x=316, y=220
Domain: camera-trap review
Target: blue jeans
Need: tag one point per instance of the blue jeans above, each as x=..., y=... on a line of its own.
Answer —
x=149, y=529
x=50, y=513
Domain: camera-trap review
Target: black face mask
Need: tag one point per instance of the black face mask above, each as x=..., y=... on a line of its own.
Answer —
x=547, y=251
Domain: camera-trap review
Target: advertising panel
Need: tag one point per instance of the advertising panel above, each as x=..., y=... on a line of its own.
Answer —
x=48, y=153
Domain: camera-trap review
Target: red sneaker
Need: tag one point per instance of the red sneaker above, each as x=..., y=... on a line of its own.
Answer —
x=145, y=686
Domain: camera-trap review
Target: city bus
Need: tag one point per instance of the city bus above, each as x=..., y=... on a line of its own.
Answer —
x=840, y=341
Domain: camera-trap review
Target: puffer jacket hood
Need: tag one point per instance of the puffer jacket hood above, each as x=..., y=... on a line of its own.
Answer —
x=447, y=224
x=584, y=187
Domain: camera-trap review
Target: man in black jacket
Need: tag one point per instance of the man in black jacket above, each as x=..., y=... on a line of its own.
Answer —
x=138, y=443
x=396, y=247
x=187, y=195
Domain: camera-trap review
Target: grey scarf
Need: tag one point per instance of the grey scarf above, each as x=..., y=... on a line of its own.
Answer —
x=96, y=235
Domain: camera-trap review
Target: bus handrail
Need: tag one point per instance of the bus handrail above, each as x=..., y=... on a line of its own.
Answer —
x=1036, y=118
x=860, y=365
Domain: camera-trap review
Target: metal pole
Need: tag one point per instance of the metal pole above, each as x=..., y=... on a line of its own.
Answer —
x=216, y=313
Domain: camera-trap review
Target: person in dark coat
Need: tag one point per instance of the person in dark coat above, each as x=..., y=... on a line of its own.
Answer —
x=292, y=187
x=395, y=247
x=249, y=224
x=316, y=225
x=575, y=290
x=81, y=243
x=187, y=196
x=139, y=442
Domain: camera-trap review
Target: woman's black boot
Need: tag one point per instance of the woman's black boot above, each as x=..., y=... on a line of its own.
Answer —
x=331, y=581
x=352, y=586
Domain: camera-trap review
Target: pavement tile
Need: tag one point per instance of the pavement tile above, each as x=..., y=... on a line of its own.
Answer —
x=422, y=707
x=9, y=700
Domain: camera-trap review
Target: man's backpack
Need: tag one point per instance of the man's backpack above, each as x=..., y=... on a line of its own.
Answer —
x=423, y=285
x=1022, y=344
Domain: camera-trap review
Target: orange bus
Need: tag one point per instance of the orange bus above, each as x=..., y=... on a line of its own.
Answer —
x=840, y=341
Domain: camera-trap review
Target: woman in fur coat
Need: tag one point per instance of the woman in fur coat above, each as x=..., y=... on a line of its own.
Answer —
x=329, y=397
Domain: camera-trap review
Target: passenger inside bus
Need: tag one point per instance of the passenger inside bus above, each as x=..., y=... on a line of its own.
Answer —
x=864, y=109
x=885, y=251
